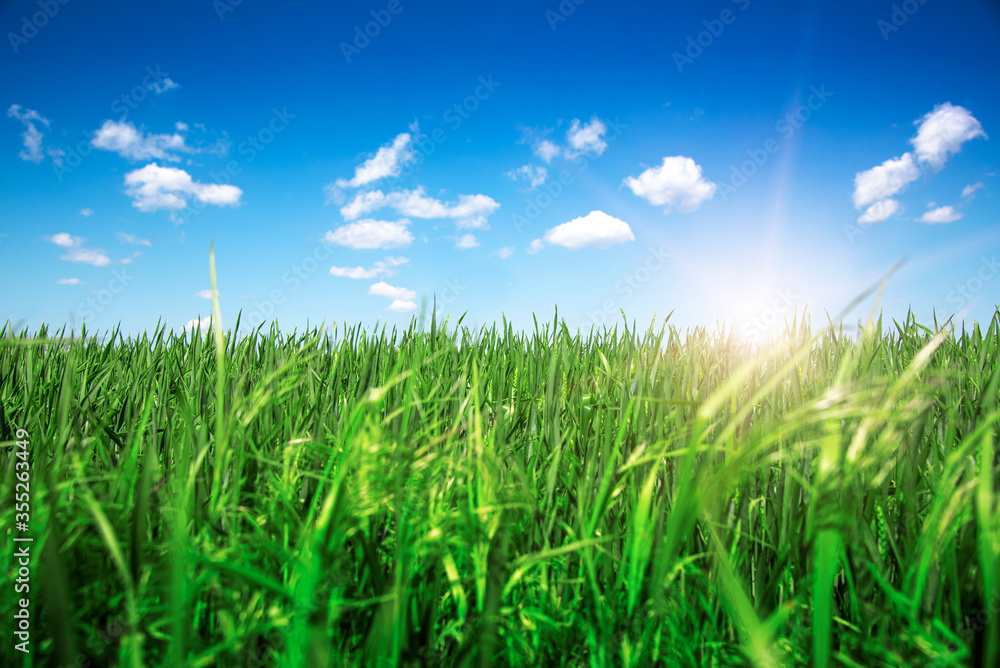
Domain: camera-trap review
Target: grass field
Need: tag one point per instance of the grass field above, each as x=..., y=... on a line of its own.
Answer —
x=444, y=497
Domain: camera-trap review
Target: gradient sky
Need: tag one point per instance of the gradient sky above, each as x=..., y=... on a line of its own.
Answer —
x=137, y=133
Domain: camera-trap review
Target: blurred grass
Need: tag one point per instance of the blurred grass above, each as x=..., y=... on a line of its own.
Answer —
x=493, y=497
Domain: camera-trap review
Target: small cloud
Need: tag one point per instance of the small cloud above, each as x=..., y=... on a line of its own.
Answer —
x=203, y=294
x=153, y=187
x=75, y=251
x=372, y=234
x=884, y=181
x=595, y=230
x=535, y=246
x=387, y=161
x=505, y=252
x=676, y=184
x=970, y=190
x=533, y=174
x=384, y=267
x=132, y=239
x=547, y=150
x=942, y=214
x=467, y=241
x=942, y=132
x=196, y=324
x=879, y=211
x=160, y=88
x=124, y=139
x=32, y=136
x=65, y=240
x=69, y=281
x=401, y=306
x=86, y=212
x=93, y=256
x=383, y=289
x=181, y=127
x=470, y=211
x=586, y=137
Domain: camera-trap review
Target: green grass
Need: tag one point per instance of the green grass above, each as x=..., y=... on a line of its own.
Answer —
x=447, y=497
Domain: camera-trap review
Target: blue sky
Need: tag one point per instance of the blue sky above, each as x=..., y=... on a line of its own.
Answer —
x=507, y=158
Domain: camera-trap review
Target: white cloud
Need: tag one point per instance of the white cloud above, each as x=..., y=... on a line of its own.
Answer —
x=467, y=241
x=676, y=184
x=69, y=281
x=581, y=138
x=198, y=323
x=942, y=132
x=65, y=240
x=586, y=137
x=387, y=161
x=168, y=84
x=595, y=230
x=970, y=190
x=884, y=181
x=533, y=174
x=86, y=212
x=383, y=289
x=879, y=211
x=401, y=306
x=132, y=239
x=505, y=252
x=942, y=214
x=371, y=234
x=203, y=294
x=32, y=136
x=124, y=139
x=535, y=246
x=94, y=256
x=470, y=211
x=384, y=267
x=153, y=187
x=547, y=150
x=76, y=252
x=181, y=127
